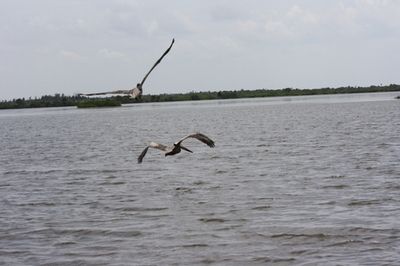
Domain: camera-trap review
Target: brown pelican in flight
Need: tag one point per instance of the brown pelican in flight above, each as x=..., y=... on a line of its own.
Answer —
x=135, y=92
x=177, y=146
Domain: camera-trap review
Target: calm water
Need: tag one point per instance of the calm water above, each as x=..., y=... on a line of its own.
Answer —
x=291, y=181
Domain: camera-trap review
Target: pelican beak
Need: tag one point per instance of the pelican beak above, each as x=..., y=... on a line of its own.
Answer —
x=186, y=149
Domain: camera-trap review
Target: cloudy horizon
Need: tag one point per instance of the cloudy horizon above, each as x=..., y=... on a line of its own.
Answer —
x=73, y=46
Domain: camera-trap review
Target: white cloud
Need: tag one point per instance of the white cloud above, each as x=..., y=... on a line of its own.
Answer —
x=71, y=55
x=375, y=3
x=301, y=15
x=278, y=29
x=110, y=54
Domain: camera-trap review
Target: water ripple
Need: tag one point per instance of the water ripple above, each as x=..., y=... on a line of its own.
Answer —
x=310, y=182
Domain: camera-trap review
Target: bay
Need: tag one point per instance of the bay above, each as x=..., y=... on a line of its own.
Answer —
x=292, y=181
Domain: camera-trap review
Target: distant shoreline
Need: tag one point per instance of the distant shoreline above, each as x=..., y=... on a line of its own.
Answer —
x=59, y=100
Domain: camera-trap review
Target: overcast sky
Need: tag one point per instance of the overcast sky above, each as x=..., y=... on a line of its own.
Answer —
x=71, y=46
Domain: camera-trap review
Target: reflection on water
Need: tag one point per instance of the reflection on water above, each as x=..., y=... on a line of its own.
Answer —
x=299, y=180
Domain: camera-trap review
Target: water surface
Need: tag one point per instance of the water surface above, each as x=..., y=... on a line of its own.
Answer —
x=291, y=181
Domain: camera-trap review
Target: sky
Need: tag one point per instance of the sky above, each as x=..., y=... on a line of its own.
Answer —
x=71, y=46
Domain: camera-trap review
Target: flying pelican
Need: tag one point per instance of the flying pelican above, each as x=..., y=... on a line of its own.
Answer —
x=135, y=92
x=177, y=146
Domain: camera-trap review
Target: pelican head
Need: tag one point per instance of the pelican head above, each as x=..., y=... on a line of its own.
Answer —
x=139, y=86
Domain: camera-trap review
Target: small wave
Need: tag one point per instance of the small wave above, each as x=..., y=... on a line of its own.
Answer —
x=262, y=259
x=393, y=187
x=363, y=202
x=198, y=183
x=140, y=209
x=184, y=189
x=212, y=220
x=336, y=176
x=264, y=198
x=112, y=183
x=278, y=260
x=108, y=171
x=12, y=252
x=33, y=172
x=372, y=249
x=66, y=262
x=65, y=243
x=298, y=252
x=207, y=261
x=229, y=227
x=87, y=254
x=195, y=245
x=37, y=204
x=344, y=243
x=336, y=186
x=290, y=236
x=364, y=230
x=261, y=208
x=273, y=260
x=86, y=232
x=221, y=171
x=75, y=183
x=124, y=233
x=331, y=202
x=74, y=172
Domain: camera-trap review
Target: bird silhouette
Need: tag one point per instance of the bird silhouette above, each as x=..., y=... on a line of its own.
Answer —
x=177, y=146
x=138, y=90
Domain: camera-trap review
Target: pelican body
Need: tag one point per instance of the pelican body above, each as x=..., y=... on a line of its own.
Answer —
x=177, y=146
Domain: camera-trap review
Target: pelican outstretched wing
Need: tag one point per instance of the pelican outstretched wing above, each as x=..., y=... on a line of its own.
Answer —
x=203, y=138
x=151, y=145
x=158, y=61
x=108, y=92
x=134, y=93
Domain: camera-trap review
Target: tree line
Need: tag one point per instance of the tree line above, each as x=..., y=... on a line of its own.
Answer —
x=58, y=100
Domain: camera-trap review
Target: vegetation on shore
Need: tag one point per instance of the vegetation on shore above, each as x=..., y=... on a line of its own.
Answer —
x=90, y=103
x=81, y=101
x=213, y=95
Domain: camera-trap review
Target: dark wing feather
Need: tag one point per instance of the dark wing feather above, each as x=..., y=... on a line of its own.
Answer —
x=203, y=138
x=141, y=156
x=158, y=61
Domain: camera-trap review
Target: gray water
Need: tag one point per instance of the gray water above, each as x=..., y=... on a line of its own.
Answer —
x=291, y=181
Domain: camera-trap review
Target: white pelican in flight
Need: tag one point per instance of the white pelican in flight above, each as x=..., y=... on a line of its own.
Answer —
x=177, y=146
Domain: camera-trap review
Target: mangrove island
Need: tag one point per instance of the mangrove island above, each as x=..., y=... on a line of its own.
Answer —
x=80, y=101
